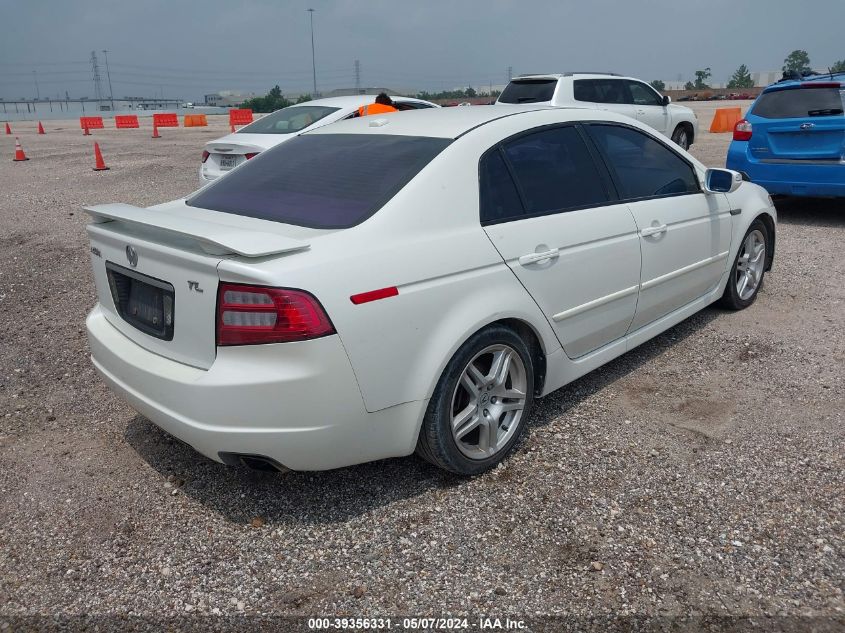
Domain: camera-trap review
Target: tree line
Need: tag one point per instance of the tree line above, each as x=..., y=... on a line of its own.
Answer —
x=275, y=100
x=797, y=63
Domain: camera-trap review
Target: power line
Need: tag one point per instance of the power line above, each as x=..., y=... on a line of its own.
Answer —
x=108, y=74
x=98, y=93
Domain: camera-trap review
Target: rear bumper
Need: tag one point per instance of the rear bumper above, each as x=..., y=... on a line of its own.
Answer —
x=791, y=179
x=296, y=403
x=207, y=177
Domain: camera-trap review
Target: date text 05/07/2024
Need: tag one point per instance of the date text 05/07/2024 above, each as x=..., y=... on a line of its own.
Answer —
x=425, y=624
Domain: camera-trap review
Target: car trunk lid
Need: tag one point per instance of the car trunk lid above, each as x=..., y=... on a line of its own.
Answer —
x=230, y=151
x=156, y=271
x=799, y=124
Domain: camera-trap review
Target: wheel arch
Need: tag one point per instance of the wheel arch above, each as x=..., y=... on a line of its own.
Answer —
x=771, y=232
x=539, y=345
x=690, y=129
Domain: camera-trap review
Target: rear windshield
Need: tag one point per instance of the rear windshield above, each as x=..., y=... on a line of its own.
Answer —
x=798, y=103
x=288, y=120
x=323, y=181
x=528, y=91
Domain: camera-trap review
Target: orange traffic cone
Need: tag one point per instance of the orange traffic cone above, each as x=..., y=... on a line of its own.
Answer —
x=232, y=128
x=19, y=155
x=155, y=131
x=98, y=158
x=85, y=131
x=8, y=129
x=40, y=128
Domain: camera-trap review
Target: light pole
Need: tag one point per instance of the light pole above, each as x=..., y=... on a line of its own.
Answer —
x=313, y=62
x=37, y=92
x=108, y=74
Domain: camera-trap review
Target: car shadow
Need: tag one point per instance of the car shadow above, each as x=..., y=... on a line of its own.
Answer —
x=827, y=212
x=301, y=498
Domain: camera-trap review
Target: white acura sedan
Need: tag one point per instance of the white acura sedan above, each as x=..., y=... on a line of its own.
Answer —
x=411, y=283
x=224, y=154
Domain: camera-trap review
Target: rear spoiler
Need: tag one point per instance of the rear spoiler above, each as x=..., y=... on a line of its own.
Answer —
x=214, y=238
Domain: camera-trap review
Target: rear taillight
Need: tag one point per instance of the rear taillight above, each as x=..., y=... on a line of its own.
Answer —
x=205, y=155
x=249, y=315
x=251, y=155
x=742, y=130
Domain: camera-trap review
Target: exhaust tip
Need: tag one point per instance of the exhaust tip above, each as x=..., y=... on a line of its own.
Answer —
x=259, y=463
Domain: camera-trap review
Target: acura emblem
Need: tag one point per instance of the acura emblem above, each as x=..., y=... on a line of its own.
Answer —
x=132, y=256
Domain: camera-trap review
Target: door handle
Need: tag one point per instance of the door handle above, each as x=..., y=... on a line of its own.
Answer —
x=653, y=230
x=533, y=258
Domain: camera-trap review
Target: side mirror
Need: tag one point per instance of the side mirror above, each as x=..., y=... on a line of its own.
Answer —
x=722, y=180
x=667, y=100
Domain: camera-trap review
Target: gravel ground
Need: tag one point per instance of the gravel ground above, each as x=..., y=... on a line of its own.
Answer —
x=701, y=474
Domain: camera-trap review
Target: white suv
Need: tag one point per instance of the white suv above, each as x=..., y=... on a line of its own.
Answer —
x=606, y=91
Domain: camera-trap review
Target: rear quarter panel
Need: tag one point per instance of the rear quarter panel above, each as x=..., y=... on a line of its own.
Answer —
x=428, y=242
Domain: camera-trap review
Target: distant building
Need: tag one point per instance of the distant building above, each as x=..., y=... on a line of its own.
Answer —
x=766, y=77
x=227, y=98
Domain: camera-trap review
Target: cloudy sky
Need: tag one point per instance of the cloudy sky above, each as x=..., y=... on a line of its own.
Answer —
x=188, y=48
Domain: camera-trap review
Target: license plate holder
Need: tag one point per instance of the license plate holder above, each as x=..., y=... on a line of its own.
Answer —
x=228, y=162
x=146, y=303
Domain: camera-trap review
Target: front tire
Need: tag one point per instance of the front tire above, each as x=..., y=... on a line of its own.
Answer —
x=682, y=137
x=480, y=405
x=748, y=269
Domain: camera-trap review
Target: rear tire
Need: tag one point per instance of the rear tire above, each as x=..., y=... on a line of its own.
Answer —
x=682, y=137
x=481, y=403
x=748, y=269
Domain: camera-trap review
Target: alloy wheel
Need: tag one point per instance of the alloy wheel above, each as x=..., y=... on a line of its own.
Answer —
x=488, y=401
x=750, y=265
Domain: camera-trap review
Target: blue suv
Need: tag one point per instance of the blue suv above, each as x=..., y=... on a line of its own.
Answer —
x=792, y=140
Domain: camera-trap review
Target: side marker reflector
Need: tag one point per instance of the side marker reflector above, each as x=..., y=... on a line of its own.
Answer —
x=374, y=295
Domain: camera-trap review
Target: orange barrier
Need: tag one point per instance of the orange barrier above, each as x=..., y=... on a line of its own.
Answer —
x=240, y=117
x=126, y=121
x=725, y=119
x=91, y=122
x=195, y=120
x=165, y=120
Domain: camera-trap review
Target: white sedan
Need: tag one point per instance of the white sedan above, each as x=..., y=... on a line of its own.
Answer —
x=224, y=154
x=409, y=283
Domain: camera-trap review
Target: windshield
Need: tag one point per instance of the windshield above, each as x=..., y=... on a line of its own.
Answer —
x=528, y=91
x=288, y=120
x=324, y=181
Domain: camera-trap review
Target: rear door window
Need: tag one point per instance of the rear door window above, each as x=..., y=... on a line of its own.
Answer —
x=321, y=181
x=602, y=91
x=288, y=120
x=528, y=91
x=553, y=169
x=800, y=103
x=499, y=198
x=644, y=167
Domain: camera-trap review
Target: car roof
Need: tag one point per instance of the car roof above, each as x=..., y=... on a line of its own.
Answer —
x=350, y=101
x=809, y=79
x=451, y=122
